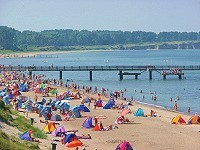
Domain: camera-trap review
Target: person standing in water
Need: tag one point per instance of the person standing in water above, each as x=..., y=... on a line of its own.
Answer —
x=175, y=106
x=188, y=111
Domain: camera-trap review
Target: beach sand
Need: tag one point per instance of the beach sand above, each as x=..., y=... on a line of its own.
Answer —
x=145, y=133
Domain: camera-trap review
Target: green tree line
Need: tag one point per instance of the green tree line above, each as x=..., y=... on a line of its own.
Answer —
x=16, y=40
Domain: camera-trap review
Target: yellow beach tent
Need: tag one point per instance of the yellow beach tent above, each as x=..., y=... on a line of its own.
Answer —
x=50, y=127
x=178, y=120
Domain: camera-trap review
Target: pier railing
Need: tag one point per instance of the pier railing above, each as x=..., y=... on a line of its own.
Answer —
x=96, y=68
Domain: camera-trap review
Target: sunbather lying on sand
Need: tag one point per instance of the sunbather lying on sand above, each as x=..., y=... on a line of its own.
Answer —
x=46, y=122
x=122, y=120
x=83, y=136
x=110, y=127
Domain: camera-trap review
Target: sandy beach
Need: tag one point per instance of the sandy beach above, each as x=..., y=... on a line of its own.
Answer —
x=145, y=133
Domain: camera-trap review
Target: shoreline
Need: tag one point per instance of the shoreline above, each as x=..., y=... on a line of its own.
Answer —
x=32, y=54
x=162, y=108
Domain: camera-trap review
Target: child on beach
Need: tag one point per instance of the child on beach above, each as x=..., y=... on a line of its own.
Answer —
x=95, y=103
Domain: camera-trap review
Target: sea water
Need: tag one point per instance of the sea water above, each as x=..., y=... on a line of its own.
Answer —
x=188, y=88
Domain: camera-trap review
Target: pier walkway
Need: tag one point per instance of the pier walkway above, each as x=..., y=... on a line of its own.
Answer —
x=123, y=70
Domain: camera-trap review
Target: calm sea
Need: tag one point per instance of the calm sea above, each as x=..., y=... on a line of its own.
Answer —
x=188, y=89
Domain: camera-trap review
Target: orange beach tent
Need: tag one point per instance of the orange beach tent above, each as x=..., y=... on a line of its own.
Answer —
x=178, y=120
x=194, y=120
x=74, y=143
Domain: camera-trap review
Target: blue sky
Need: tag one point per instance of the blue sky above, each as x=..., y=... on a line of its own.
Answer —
x=125, y=15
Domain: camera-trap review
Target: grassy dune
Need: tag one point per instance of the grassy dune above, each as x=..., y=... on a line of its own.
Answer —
x=13, y=119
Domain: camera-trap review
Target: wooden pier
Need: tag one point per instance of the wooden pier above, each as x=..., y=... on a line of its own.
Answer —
x=173, y=71
x=121, y=74
x=123, y=70
x=178, y=74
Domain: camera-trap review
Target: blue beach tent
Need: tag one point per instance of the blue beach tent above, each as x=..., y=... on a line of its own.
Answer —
x=76, y=111
x=139, y=113
x=83, y=108
x=88, y=123
x=56, y=117
x=108, y=106
x=68, y=138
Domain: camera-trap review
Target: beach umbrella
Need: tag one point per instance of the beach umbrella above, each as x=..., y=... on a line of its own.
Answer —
x=100, y=117
x=66, y=101
x=125, y=111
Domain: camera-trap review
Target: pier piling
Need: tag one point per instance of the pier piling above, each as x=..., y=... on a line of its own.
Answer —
x=60, y=75
x=90, y=75
x=120, y=75
x=150, y=74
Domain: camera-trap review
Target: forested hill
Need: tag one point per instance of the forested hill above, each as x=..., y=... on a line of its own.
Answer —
x=68, y=39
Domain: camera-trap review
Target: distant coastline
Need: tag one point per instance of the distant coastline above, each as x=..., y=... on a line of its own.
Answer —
x=58, y=50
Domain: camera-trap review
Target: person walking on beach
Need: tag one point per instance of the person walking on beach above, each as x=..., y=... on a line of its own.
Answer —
x=175, y=106
x=95, y=104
